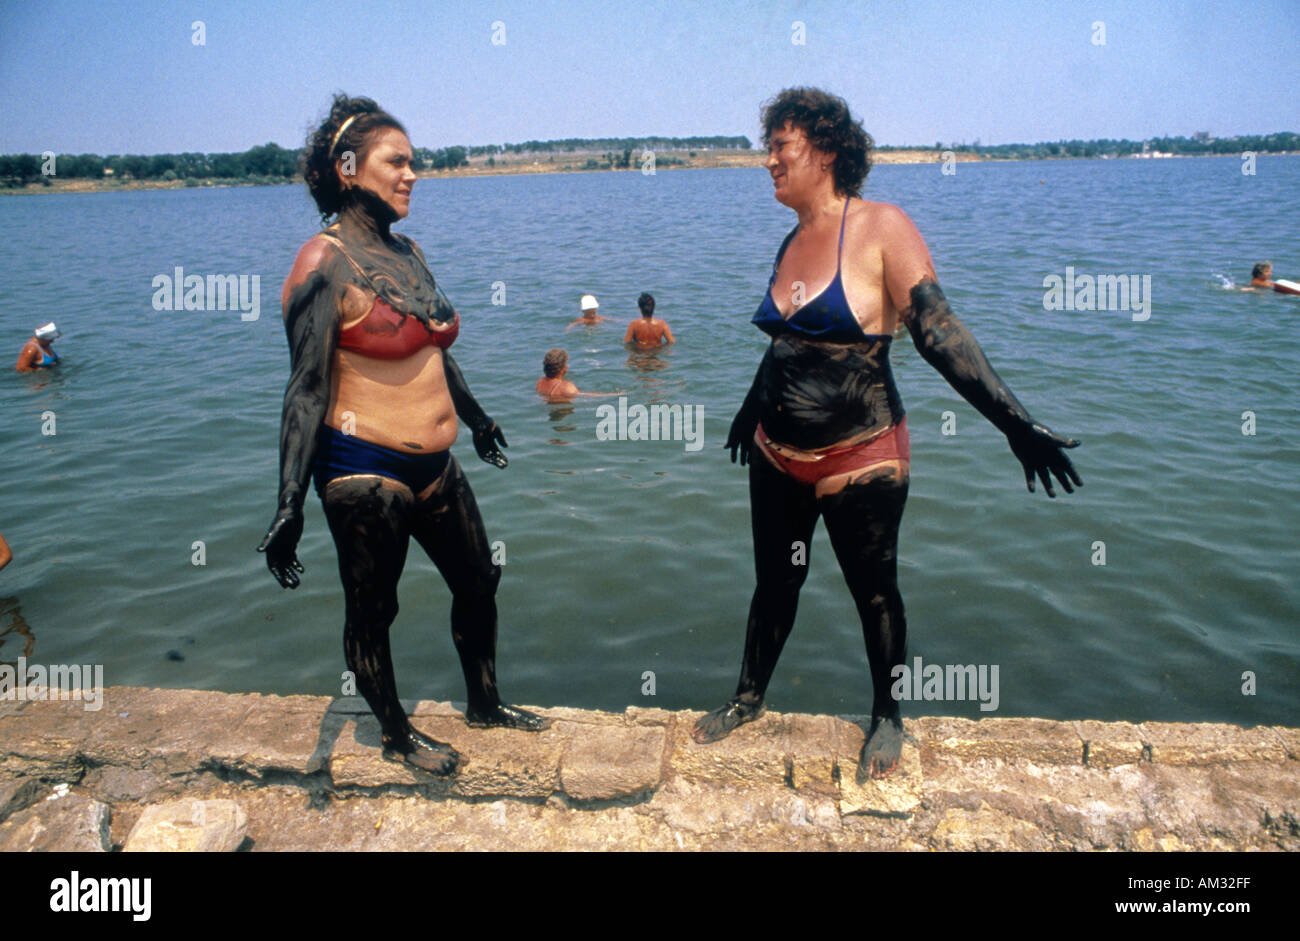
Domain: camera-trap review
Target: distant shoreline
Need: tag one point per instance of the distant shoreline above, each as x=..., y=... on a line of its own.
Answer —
x=552, y=164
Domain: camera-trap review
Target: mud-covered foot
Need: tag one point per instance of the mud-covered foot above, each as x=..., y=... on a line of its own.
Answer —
x=882, y=749
x=420, y=751
x=502, y=716
x=720, y=723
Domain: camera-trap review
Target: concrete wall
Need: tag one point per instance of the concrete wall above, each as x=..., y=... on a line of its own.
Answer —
x=307, y=773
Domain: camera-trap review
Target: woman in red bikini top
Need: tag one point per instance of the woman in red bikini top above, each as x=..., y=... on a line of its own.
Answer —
x=824, y=420
x=371, y=408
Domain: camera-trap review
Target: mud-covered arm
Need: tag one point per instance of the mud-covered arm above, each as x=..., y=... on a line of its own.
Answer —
x=311, y=322
x=312, y=327
x=741, y=434
x=946, y=344
x=487, y=436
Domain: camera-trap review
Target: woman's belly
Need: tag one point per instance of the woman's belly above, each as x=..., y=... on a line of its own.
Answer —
x=815, y=396
x=400, y=404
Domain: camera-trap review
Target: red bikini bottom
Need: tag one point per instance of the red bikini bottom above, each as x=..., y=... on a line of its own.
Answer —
x=891, y=445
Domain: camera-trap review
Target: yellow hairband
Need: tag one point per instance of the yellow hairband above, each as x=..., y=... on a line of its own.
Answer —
x=339, y=133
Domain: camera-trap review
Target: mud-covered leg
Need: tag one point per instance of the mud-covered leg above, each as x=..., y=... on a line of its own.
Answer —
x=863, y=520
x=783, y=513
x=449, y=527
x=368, y=517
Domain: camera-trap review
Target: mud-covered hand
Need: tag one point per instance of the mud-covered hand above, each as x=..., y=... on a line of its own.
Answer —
x=281, y=546
x=485, y=443
x=486, y=433
x=740, y=437
x=1039, y=450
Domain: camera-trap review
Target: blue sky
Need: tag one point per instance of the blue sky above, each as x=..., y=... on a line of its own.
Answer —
x=128, y=78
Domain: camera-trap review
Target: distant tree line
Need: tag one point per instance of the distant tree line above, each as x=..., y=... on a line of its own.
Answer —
x=445, y=158
x=267, y=163
x=602, y=145
x=1257, y=143
x=271, y=163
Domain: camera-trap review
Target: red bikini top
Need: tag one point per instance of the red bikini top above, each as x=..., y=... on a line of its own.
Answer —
x=385, y=334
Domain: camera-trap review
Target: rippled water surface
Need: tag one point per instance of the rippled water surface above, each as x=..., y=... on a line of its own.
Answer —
x=628, y=556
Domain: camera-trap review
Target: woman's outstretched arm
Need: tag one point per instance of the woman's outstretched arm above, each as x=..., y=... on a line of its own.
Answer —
x=946, y=344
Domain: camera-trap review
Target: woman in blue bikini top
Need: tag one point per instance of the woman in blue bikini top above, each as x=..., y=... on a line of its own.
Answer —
x=824, y=399
x=810, y=396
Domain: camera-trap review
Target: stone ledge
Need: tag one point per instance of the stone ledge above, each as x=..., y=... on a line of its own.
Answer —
x=637, y=780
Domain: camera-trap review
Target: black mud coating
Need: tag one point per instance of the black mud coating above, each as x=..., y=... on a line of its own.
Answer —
x=862, y=521
x=372, y=522
x=813, y=394
x=944, y=342
x=371, y=518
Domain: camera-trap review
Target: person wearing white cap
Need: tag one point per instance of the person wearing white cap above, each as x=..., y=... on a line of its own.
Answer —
x=37, y=352
x=590, y=307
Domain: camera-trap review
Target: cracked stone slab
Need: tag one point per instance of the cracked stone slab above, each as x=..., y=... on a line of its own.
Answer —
x=898, y=794
x=494, y=762
x=986, y=829
x=356, y=759
x=508, y=762
x=277, y=734
x=1290, y=739
x=809, y=745
x=753, y=754
x=1110, y=744
x=169, y=731
x=113, y=783
x=66, y=824
x=605, y=762
x=1042, y=741
x=1200, y=743
x=638, y=715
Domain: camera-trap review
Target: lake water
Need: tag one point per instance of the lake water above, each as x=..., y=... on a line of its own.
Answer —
x=631, y=556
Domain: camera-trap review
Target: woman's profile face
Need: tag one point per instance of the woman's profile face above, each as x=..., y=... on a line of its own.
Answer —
x=386, y=171
x=795, y=165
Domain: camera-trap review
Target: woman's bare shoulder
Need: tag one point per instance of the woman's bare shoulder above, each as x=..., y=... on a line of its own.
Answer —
x=883, y=217
x=312, y=257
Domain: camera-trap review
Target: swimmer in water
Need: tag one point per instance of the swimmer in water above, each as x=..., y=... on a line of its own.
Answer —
x=6, y=554
x=370, y=411
x=822, y=428
x=553, y=386
x=38, y=353
x=649, y=330
x=590, y=313
x=1261, y=276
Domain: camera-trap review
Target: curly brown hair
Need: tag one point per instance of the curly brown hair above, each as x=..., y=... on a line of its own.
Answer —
x=830, y=128
x=317, y=162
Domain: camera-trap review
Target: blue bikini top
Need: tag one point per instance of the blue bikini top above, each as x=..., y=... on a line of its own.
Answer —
x=827, y=317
